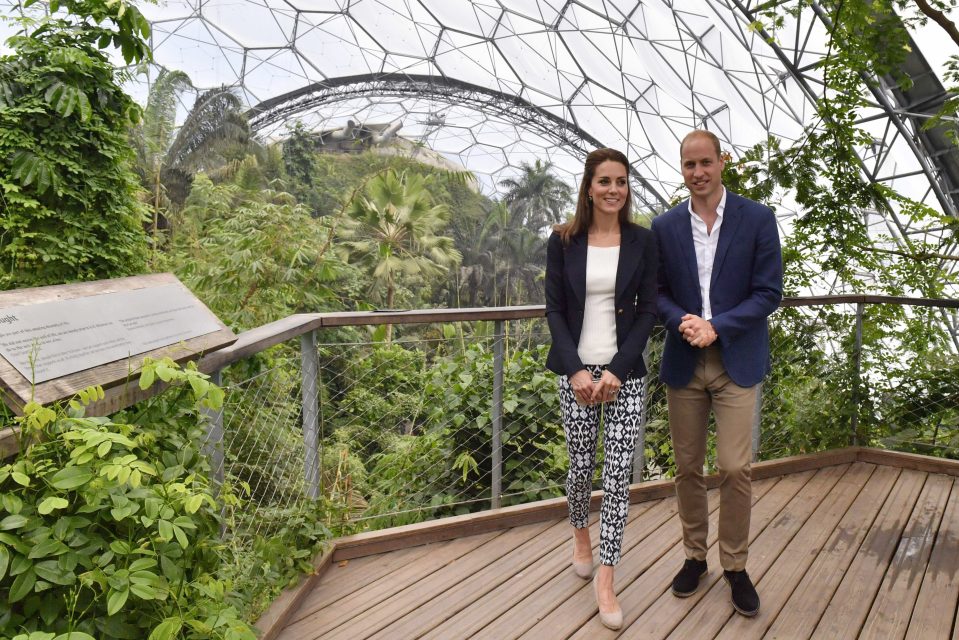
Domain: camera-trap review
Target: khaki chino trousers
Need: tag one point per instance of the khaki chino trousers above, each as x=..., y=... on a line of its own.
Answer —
x=711, y=389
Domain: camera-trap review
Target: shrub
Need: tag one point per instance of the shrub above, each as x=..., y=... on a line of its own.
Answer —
x=110, y=528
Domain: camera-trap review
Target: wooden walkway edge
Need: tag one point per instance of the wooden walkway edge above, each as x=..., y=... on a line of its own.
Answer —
x=278, y=616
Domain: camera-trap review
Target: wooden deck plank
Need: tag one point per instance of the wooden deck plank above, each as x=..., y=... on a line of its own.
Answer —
x=804, y=607
x=553, y=593
x=704, y=613
x=847, y=610
x=494, y=604
x=579, y=607
x=870, y=555
x=490, y=575
x=646, y=586
x=892, y=608
x=348, y=576
x=315, y=623
x=415, y=595
x=939, y=592
x=777, y=583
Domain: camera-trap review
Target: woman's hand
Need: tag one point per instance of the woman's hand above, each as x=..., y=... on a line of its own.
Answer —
x=582, y=385
x=607, y=387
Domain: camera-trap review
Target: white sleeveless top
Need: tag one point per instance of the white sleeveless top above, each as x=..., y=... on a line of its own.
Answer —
x=597, y=342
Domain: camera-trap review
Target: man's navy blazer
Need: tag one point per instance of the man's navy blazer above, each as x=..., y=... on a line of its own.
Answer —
x=746, y=287
x=635, y=300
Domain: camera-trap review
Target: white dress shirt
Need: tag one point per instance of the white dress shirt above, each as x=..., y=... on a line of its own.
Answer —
x=597, y=340
x=705, y=244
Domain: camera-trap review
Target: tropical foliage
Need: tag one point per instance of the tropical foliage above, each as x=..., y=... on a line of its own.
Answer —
x=536, y=198
x=69, y=208
x=109, y=528
x=393, y=230
x=254, y=255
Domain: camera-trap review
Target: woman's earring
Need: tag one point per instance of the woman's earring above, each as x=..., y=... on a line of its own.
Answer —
x=590, y=198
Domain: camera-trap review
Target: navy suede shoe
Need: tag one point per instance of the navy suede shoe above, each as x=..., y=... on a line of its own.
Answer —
x=744, y=596
x=687, y=580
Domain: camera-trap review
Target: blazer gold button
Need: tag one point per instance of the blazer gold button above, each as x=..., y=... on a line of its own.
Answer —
x=619, y=311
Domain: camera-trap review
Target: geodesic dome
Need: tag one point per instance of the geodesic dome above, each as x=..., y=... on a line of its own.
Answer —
x=496, y=82
x=490, y=84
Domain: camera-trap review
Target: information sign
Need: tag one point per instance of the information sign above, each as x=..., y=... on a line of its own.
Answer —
x=53, y=339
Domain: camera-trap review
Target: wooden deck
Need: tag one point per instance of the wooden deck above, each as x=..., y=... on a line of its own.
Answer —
x=862, y=544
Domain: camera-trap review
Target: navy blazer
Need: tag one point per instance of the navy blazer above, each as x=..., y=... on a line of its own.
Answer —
x=635, y=300
x=746, y=287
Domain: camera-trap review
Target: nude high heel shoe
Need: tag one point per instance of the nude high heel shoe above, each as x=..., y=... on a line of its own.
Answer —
x=583, y=569
x=611, y=620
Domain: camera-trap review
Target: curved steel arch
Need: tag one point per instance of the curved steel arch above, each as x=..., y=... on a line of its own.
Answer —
x=454, y=92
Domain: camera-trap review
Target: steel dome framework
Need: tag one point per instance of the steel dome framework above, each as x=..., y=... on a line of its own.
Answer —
x=494, y=83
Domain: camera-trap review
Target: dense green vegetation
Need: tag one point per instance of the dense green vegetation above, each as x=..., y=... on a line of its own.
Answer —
x=110, y=527
x=69, y=209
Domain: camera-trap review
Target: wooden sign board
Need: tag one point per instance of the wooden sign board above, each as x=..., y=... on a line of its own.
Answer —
x=55, y=341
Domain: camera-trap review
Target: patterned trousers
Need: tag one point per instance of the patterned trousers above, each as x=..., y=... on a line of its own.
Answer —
x=620, y=420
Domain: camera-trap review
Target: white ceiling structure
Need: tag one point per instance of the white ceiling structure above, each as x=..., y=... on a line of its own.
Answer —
x=491, y=84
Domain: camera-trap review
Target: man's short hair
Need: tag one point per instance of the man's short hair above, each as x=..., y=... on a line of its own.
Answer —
x=702, y=133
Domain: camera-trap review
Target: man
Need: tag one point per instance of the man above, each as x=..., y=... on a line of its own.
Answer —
x=720, y=277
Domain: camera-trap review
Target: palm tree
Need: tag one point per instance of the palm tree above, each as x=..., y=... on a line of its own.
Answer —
x=214, y=127
x=214, y=130
x=537, y=198
x=393, y=230
x=516, y=257
x=152, y=138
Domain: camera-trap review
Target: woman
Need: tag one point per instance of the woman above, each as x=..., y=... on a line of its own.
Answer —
x=600, y=305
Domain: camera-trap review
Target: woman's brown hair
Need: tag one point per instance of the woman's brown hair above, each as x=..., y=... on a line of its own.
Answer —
x=584, y=207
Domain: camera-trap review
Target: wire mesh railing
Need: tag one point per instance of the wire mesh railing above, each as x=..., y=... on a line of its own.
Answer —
x=458, y=416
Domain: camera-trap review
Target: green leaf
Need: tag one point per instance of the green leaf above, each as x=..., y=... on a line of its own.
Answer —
x=50, y=571
x=74, y=635
x=147, y=376
x=21, y=479
x=143, y=591
x=50, y=504
x=13, y=522
x=181, y=537
x=142, y=564
x=22, y=586
x=116, y=600
x=166, y=630
x=193, y=503
x=4, y=561
x=199, y=385
x=11, y=503
x=46, y=548
x=166, y=529
x=121, y=547
x=165, y=372
x=71, y=478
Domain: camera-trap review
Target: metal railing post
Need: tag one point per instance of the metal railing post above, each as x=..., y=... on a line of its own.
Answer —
x=496, y=485
x=757, y=419
x=857, y=375
x=213, y=444
x=311, y=440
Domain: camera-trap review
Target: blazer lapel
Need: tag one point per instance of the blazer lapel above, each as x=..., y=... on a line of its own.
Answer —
x=684, y=239
x=727, y=231
x=576, y=266
x=629, y=257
